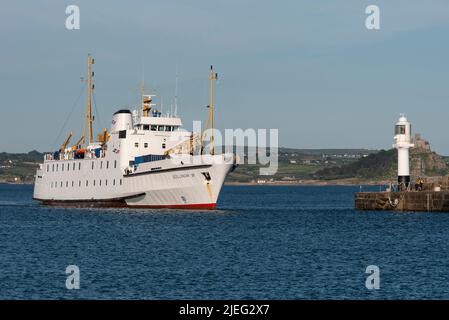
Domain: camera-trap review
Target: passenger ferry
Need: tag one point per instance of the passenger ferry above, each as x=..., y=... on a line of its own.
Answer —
x=145, y=160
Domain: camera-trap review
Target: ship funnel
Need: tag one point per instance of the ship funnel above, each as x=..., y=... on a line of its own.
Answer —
x=121, y=120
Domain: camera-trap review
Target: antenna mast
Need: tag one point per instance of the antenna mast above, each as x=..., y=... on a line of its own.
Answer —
x=162, y=105
x=212, y=76
x=142, y=92
x=176, y=92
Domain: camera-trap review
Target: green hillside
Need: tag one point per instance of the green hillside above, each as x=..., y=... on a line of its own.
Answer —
x=19, y=167
x=381, y=165
x=296, y=165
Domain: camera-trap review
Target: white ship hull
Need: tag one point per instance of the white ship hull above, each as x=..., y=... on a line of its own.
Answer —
x=145, y=160
x=185, y=182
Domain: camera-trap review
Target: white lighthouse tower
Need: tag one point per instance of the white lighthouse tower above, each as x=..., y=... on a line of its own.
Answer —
x=402, y=139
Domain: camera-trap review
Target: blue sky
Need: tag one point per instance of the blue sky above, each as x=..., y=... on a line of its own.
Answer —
x=309, y=68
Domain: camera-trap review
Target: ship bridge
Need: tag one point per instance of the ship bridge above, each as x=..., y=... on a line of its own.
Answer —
x=158, y=123
x=151, y=119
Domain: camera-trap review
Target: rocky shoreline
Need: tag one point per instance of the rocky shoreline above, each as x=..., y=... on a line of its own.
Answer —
x=346, y=182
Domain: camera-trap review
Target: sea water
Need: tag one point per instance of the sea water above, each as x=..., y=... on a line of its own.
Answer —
x=263, y=242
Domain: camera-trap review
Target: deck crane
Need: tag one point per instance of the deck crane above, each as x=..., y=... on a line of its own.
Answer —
x=80, y=141
x=66, y=141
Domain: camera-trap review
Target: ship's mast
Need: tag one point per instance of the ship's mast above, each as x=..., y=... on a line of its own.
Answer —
x=212, y=76
x=90, y=87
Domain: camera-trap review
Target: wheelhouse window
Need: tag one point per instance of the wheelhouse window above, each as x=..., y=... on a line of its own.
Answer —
x=146, y=127
x=153, y=127
x=161, y=128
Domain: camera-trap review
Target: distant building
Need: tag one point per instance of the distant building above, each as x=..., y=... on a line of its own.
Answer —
x=423, y=161
x=421, y=143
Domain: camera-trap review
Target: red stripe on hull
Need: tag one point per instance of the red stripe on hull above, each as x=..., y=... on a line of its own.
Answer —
x=118, y=203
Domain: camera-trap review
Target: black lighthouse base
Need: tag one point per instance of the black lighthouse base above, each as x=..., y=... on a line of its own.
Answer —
x=404, y=181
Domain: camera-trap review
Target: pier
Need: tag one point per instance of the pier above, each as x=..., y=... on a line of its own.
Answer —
x=403, y=200
x=429, y=194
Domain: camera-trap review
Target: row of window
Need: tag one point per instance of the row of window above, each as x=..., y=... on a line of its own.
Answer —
x=136, y=144
x=67, y=166
x=145, y=145
x=155, y=127
x=61, y=184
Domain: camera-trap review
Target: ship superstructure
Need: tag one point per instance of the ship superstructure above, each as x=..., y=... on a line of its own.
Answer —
x=145, y=160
